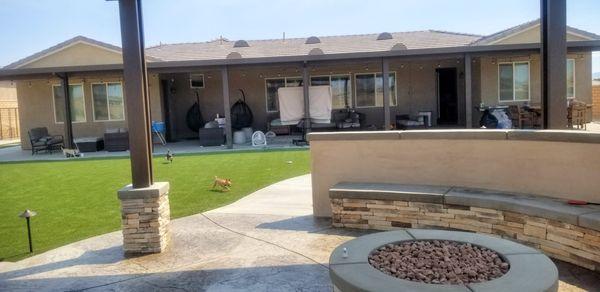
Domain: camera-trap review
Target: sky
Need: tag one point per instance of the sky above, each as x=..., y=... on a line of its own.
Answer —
x=29, y=26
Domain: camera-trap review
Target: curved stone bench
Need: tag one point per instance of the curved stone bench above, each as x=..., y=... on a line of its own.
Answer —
x=551, y=163
x=529, y=269
x=565, y=232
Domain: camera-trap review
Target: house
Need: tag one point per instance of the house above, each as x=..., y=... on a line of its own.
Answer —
x=445, y=74
x=9, y=125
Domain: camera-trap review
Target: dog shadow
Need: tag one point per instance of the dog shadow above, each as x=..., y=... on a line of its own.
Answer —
x=218, y=191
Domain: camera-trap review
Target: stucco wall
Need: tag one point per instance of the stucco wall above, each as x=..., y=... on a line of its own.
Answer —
x=77, y=55
x=479, y=159
x=489, y=77
x=36, y=107
x=532, y=35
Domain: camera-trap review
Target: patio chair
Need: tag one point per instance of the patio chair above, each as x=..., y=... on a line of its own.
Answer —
x=519, y=117
x=42, y=141
x=576, y=115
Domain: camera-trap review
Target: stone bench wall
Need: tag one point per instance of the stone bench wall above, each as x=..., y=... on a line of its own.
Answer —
x=563, y=241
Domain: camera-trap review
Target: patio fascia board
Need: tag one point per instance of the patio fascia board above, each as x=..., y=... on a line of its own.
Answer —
x=35, y=73
x=165, y=66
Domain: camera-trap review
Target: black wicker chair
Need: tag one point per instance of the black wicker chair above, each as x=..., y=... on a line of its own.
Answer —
x=42, y=141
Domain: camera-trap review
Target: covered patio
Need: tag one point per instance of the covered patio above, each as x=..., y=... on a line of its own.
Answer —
x=15, y=153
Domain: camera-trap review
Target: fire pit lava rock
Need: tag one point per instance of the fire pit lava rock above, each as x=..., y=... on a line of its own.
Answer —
x=439, y=260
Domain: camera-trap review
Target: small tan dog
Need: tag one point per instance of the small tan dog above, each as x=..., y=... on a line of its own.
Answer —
x=224, y=183
x=70, y=152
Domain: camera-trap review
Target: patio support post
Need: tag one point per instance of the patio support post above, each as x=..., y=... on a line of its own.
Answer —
x=305, y=91
x=226, y=106
x=68, y=119
x=553, y=63
x=145, y=212
x=385, y=75
x=136, y=92
x=468, y=93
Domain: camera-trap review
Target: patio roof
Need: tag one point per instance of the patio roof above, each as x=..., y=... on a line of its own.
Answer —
x=330, y=45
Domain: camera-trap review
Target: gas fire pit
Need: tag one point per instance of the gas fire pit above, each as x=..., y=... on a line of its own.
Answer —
x=439, y=260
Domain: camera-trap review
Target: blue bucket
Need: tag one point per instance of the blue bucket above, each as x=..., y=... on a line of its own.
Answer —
x=158, y=127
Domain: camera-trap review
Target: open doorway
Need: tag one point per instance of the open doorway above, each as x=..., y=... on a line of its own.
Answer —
x=447, y=96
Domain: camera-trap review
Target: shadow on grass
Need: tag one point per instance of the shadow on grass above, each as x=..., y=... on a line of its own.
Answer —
x=14, y=256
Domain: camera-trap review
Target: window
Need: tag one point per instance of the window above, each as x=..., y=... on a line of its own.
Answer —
x=77, y=103
x=293, y=81
x=196, y=80
x=340, y=89
x=513, y=81
x=570, y=78
x=320, y=80
x=272, y=85
x=369, y=89
x=108, y=101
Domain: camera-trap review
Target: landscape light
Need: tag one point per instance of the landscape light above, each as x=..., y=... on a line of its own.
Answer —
x=28, y=214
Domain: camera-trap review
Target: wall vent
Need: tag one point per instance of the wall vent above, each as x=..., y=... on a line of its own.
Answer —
x=384, y=36
x=241, y=44
x=312, y=40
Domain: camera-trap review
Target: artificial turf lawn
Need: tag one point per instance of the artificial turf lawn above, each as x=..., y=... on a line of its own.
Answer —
x=77, y=199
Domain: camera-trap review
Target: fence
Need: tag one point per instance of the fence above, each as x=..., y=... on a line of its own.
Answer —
x=9, y=123
x=596, y=102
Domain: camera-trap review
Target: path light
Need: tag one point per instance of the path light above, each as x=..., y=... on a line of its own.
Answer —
x=28, y=214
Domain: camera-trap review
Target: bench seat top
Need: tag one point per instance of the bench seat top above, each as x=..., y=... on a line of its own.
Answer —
x=389, y=191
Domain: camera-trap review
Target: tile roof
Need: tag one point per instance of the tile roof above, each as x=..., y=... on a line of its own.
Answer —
x=219, y=49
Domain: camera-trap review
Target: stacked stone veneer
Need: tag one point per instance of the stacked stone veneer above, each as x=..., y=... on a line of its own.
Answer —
x=145, y=216
x=563, y=241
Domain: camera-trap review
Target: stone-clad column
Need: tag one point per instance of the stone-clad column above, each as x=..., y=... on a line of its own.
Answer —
x=144, y=204
x=145, y=216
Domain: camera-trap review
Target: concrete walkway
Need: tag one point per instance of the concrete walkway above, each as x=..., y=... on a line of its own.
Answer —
x=267, y=241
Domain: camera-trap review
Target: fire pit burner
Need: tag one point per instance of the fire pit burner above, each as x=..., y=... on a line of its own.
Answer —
x=415, y=260
x=438, y=262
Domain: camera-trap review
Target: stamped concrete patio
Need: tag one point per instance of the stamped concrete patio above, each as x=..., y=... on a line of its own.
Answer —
x=267, y=241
